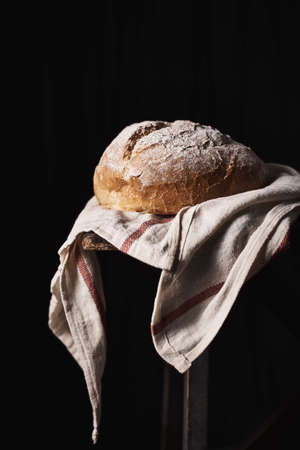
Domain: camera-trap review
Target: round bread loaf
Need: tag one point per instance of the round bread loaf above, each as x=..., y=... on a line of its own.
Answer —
x=159, y=167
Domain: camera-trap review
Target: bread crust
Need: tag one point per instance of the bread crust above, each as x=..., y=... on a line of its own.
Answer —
x=160, y=167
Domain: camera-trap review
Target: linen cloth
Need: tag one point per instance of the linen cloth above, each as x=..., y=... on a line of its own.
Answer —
x=205, y=252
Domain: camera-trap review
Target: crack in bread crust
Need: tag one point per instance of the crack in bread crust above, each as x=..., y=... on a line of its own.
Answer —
x=142, y=131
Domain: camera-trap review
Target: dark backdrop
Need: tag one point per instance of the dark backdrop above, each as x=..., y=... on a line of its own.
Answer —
x=228, y=64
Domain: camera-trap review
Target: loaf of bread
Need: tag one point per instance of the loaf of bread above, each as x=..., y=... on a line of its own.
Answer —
x=159, y=167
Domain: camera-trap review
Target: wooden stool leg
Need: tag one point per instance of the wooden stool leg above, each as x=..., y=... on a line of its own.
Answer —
x=165, y=406
x=172, y=409
x=186, y=412
x=195, y=405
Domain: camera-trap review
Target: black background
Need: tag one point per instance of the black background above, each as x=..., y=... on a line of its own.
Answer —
x=228, y=64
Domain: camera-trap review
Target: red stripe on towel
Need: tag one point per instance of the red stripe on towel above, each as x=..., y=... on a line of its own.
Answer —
x=283, y=245
x=87, y=277
x=209, y=292
x=186, y=306
x=141, y=230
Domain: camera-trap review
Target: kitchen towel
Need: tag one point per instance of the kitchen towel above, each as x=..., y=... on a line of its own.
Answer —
x=205, y=252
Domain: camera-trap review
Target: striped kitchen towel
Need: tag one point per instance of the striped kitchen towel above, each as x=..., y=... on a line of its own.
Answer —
x=205, y=252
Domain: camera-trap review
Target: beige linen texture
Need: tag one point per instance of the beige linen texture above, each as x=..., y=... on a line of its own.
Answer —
x=206, y=253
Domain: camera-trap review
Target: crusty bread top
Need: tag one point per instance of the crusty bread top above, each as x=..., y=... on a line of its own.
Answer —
x=159, y=167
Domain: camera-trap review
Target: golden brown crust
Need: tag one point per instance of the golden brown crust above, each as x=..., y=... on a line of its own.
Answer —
x=159, y=167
